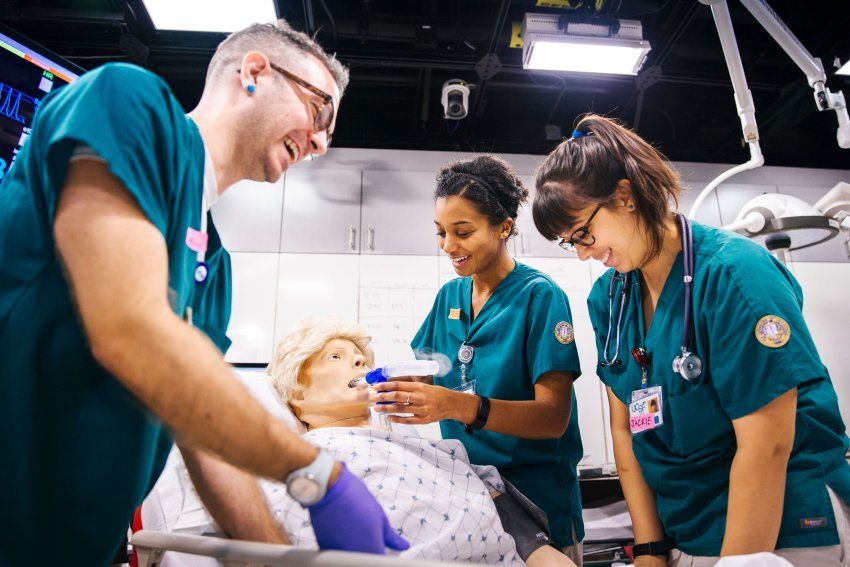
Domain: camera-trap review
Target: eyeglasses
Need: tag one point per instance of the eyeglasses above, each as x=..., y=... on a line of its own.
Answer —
x=580, y=236
x=325, y=115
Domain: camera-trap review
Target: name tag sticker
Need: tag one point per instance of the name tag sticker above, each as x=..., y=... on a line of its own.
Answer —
x=645, y=410
x=454, y=313
x=196, y=240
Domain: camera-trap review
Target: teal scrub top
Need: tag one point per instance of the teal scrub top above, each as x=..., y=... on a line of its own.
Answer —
x=80, y=451
x=523, y=331
x=687, y=460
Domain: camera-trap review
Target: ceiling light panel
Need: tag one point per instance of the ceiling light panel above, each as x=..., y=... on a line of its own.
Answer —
x=209, y=15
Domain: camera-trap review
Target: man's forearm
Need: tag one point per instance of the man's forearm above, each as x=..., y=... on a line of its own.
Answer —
x=181, y=377
x=233, y=498
x=756, y=499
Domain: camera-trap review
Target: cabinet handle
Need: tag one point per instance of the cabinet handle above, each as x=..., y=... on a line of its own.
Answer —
x=351, y=233
x=370, y=238
x=522, y=242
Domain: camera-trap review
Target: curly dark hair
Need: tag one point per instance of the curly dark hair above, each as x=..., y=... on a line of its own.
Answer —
x=489, y=182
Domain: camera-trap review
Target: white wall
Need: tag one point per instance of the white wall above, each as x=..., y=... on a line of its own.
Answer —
x=390, y=294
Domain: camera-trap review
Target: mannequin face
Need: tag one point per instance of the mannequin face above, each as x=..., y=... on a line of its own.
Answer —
x=323, y=395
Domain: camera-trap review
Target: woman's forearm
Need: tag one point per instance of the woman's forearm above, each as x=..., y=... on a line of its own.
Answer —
x=757, y=477
x=756, y=498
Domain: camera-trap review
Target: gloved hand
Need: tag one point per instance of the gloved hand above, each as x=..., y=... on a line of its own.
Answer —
x=349, y=518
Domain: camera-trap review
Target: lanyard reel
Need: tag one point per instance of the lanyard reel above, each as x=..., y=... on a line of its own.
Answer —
x=202, y=270
x=687, y=364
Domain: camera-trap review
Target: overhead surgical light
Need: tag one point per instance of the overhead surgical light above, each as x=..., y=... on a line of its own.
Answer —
x=783, y=223
x=209, y=15
x=844, y=69
x=553, y=43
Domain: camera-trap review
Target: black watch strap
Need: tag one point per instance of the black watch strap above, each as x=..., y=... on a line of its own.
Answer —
x=481, y=418
x=663, y=547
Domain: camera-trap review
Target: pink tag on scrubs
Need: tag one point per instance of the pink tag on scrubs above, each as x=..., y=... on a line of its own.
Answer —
x=645, y=410
x=196, y=240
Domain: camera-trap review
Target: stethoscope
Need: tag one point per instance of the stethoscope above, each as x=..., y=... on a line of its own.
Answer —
x=687, y=364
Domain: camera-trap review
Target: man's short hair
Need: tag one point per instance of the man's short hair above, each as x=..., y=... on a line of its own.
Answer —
x=274, y=38
x=308, y=337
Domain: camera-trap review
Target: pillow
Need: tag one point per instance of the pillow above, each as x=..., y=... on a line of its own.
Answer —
x=259, y=385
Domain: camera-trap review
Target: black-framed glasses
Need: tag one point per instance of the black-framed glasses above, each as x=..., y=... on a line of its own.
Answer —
x=325, y=114
x=580, y=236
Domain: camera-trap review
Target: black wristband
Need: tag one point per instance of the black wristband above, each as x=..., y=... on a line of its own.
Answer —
x=663, y=547
x=481, y=418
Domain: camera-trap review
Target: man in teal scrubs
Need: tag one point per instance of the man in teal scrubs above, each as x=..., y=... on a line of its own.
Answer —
x=104, y=258
x=523, y=332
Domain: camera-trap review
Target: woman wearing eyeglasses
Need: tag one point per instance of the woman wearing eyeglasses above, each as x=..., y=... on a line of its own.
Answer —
x=508, y=330
x=727, y=434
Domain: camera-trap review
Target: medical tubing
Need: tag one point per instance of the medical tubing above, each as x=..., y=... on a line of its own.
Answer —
x=407, y=368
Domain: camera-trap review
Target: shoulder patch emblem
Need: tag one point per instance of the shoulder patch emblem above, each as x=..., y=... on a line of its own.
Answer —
x=773, y=331
x=564, y=333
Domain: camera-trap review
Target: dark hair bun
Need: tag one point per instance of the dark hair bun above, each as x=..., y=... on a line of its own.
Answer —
x=489, y=182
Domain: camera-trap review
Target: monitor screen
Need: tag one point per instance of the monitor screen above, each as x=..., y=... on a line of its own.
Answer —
x=28, y=72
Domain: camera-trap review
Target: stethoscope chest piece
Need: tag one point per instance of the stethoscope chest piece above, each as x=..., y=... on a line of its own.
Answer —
x=687, y=365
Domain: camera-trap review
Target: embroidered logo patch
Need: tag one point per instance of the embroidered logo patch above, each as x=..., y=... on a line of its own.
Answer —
x=773, y=331
x=454, y=313
x=809, y=523
x=564, y=333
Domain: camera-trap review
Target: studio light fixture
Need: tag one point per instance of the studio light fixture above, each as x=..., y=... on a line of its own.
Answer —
x=553, y=43
x=209, y=15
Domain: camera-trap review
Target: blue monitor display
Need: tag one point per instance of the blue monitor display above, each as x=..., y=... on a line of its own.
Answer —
x=28, y=72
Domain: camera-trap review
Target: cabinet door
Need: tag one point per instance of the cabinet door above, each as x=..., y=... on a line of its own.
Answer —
x=834, y=249
x=247, y=216
x=321, y=211
x=253, y=310
x=315, y=285
x=398, y=213
x=529, y=243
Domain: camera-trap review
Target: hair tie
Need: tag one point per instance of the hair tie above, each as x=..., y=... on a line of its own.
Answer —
x=579, y=134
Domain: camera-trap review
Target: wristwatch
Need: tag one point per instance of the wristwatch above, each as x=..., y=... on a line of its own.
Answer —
x=482, y=416
x=309, y=484
x=663, y=547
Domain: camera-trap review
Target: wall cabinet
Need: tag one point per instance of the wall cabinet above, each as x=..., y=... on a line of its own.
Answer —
x=397, y=215
x=321, y=211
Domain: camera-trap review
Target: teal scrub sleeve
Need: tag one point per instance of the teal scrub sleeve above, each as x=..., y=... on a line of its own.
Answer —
x=550, y=339
x=758, y=344
x=127, y=116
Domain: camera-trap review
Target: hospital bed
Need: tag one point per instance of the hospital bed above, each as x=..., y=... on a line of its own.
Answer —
x=150, y=547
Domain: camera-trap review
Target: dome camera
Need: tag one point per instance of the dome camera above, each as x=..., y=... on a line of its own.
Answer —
x=455, y=99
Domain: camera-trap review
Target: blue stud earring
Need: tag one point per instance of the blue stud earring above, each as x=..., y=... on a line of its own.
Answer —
x=251, y=89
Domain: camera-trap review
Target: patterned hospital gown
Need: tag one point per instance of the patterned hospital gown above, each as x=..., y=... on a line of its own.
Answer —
x=431, y=494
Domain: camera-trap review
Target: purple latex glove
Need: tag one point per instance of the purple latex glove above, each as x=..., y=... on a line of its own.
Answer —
x=349, y=518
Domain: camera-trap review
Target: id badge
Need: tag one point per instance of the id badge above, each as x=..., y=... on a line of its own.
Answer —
x=645, y=411
x=466, y=387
